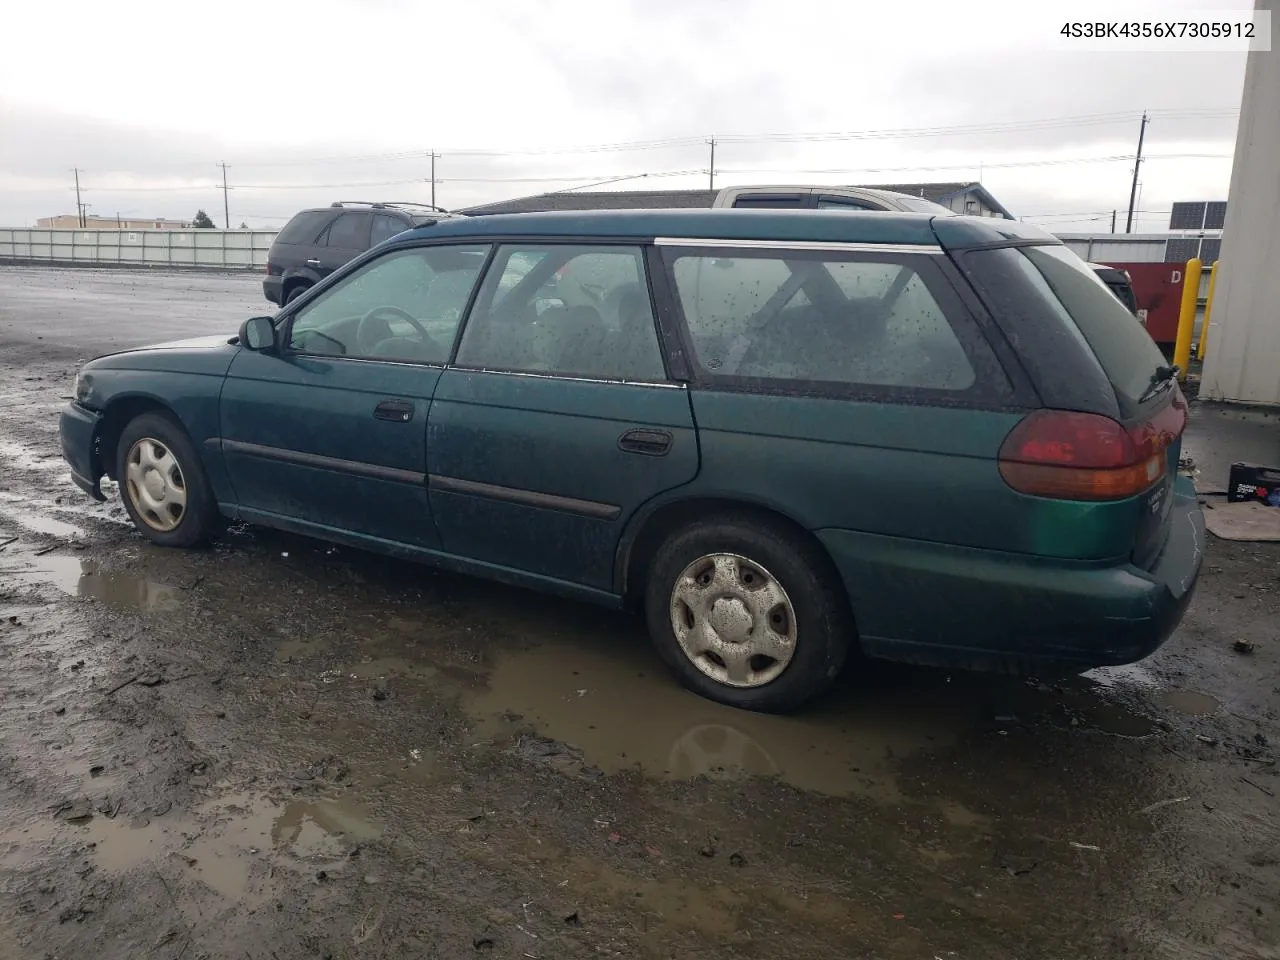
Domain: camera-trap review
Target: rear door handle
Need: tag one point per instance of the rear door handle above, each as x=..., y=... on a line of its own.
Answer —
x=648, y=443
x=313, y=262
x=398, y=411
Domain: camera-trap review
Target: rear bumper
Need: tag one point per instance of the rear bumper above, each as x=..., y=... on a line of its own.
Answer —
x=273, y=290
x=78, y=430
x=975, y=609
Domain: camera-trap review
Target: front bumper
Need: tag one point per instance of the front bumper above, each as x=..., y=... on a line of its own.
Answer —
x=960, y=607
x=78, y=430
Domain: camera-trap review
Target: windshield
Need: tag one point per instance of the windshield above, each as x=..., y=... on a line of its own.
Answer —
x=1117, y=338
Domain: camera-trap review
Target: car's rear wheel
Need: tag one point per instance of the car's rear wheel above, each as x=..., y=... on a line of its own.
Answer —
x=747, y=613
x=162, y=482
x=295, y=291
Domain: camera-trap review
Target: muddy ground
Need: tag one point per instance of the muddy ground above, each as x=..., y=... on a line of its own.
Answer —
x=278, y=749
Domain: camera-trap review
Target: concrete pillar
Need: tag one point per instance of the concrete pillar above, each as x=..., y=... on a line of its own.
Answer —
x=1243, y=362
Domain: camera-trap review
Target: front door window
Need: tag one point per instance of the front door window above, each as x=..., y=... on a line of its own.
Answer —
x=404, y=306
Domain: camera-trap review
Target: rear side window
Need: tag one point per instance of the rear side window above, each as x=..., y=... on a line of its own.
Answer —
x=350, y=232
x=572, y=311
x=875, y=321
x=1124, y=349
x=305, y=227
x=772, y=201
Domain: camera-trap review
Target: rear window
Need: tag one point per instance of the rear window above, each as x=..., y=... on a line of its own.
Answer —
x=1126, y=353
x=305, y=227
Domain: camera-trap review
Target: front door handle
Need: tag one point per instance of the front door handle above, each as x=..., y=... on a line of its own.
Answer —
x=398, y=411
x=313, y=262
x=648, y=443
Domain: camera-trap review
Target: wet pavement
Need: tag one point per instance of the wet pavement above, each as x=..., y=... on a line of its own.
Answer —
x=277, y=748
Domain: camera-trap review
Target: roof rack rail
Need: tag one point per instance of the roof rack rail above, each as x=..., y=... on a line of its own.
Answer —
x=409, y=203
x=384, y=204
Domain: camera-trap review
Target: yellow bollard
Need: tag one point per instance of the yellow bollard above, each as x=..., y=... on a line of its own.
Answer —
x=1208, y=310
x=1187, y=317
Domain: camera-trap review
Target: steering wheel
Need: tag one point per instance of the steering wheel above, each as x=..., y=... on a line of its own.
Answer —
x=365, y=330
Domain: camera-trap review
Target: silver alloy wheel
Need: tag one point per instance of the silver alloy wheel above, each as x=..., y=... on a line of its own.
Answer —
x=155, y=484
x=733, y=620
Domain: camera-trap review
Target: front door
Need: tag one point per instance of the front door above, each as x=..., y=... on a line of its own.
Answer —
x=558, y=419
x=330, y=429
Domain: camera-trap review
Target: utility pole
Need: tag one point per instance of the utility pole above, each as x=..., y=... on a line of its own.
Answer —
x=712, y=181
x=79, y=208
x=433, y=177
x=1133, y=190
x=226, y=205
x=1113, y=221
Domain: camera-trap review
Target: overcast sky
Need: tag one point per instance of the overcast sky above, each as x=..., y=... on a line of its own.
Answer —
x=345, y=99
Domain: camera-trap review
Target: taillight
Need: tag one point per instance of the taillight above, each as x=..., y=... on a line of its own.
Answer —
x=1084, y=456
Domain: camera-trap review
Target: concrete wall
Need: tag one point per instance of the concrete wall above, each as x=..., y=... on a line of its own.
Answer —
x=211, y=249
x=1243, y=359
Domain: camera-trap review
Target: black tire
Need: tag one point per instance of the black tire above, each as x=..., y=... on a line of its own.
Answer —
x=823, y=627
x=198, y=520
x=295, y=291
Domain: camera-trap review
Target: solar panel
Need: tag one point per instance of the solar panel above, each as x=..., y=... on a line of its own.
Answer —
x=1215, y=215
x=1187, y=215
x=1181, y=250
x=1209, y=250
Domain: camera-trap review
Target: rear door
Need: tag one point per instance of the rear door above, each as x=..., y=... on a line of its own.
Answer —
x=557, y=420
x=346, y=238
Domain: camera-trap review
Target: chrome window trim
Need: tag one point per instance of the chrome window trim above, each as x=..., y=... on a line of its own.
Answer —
x=808, y=245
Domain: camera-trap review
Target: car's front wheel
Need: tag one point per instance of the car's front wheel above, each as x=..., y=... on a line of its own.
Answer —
x=162, y=482
x=748, y=613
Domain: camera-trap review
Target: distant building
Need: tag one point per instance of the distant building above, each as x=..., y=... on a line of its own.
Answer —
x=967, y=198
x=69, y=221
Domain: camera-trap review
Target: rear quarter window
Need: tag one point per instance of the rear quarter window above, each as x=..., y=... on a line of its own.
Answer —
x=1117, y=338
x=849, y=324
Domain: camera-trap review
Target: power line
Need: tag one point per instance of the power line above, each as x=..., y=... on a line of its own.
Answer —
x=1013, y=126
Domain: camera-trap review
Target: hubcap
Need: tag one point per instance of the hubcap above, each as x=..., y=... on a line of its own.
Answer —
x=733, y=620
x=155, y=484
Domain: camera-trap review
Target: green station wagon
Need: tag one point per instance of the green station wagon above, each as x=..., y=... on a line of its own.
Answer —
x=787, y=436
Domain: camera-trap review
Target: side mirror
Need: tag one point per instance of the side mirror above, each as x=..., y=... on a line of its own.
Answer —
x=258, y=333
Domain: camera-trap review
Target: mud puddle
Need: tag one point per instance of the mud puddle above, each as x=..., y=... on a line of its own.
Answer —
x=1189, y=702
x=40, y=523
x=613, y=701
x=83, y=577
x=230, y=844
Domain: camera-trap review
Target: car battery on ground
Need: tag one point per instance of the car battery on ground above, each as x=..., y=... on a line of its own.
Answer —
x=1251, y=481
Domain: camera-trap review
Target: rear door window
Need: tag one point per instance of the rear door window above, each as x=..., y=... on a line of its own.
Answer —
x=856, y=321
x=572, y=311
x=1117, y=338
x=350, y=232
x=305, y=227
x=773, y=201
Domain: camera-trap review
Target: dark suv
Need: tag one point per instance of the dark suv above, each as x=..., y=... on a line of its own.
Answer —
x=317, y=242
